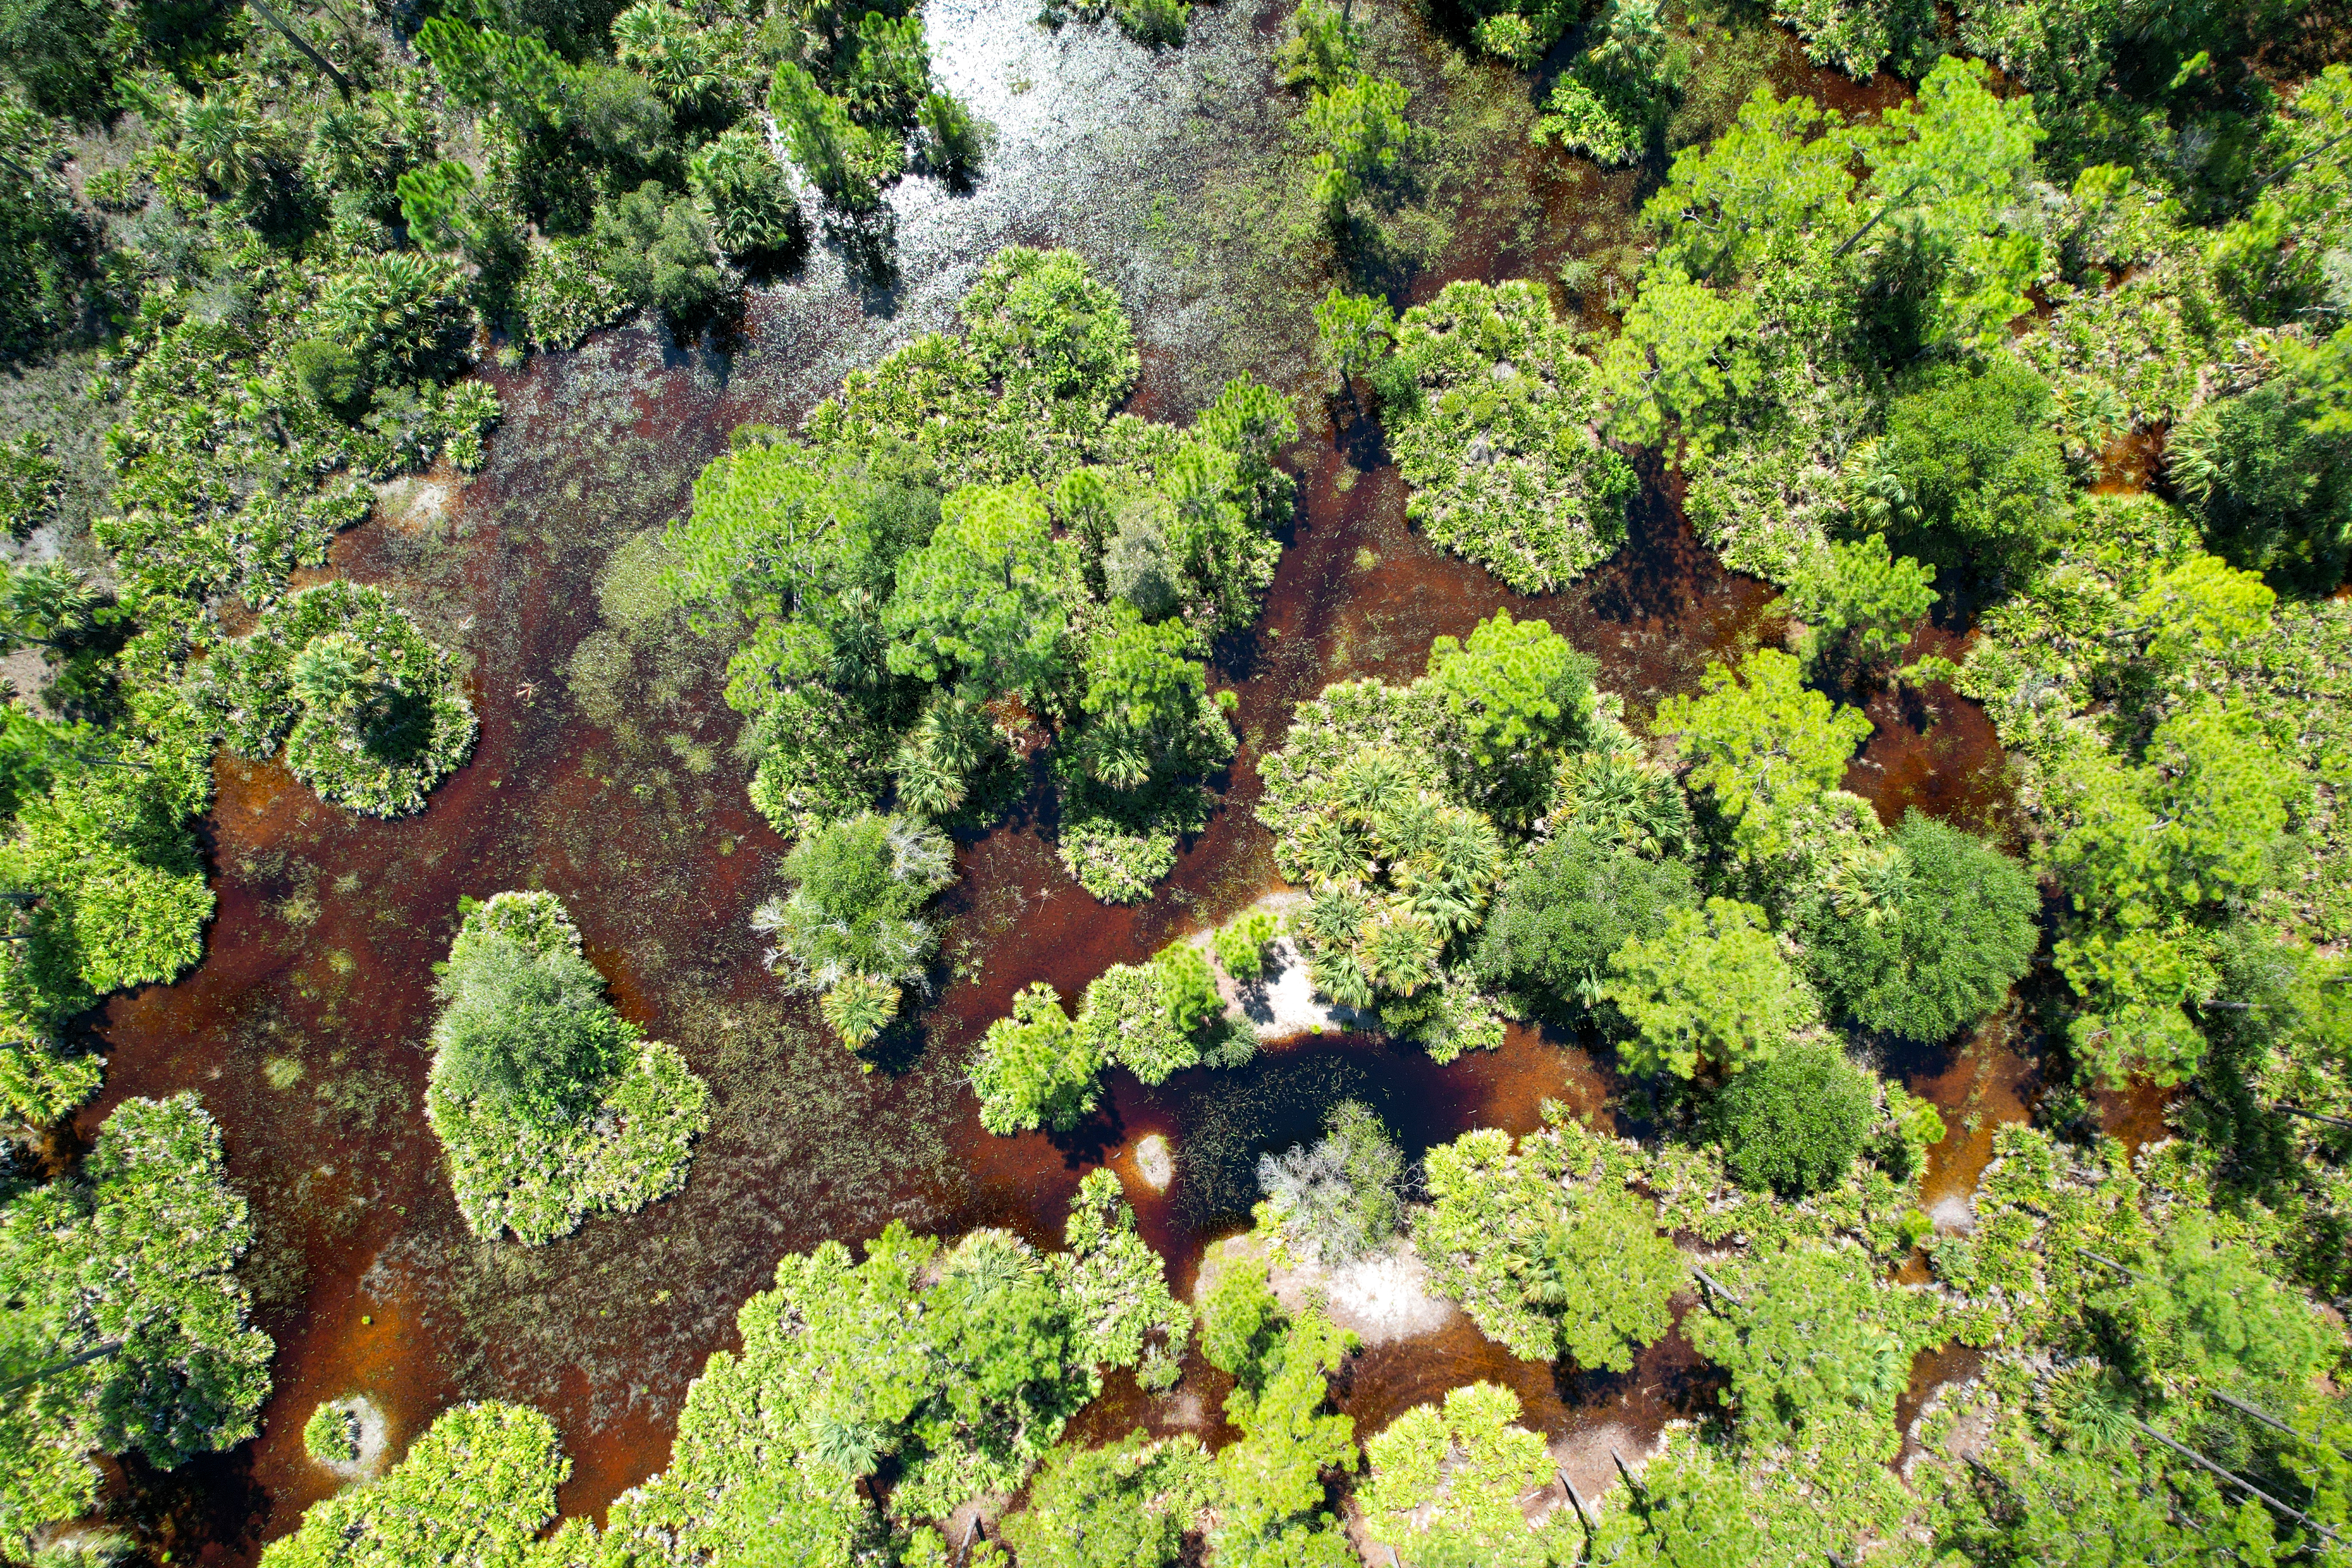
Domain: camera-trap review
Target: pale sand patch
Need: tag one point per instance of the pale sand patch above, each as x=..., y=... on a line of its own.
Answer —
x=417, y=503
x=375, y=1439
x=1153, y=1162
x=1283, y=1005
x=1380, y=1298
x=1953, y=1215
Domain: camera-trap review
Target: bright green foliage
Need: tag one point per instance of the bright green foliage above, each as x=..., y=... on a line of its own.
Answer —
x=1713, y=992
x=984, y=601
x=1685, y=356
x=483, y=68
x=1945, y=931
x=1620, y=88
x=1135, y=1014
x=1126, y=1316
x=1274, y=1511
x=1188, y=987
x=1514, y=687
x=332, y=1435
x=1968, y=466
x=849, y=163
x=1794, y=1121
x=1566, y=907
x=2206, y=818
x=139, y=1252
x=1543, y=1255
x=1357, y=127
x=432, y=203
x=1762, y=745
x=1036, y=1068
x=1860, y=604
x=1444, y=1486
x=957, y=1370
x=370, y=713
x=859, y=886
x=1340, y=1199
x=1320, y=52
x=1815, y=1337
x=2206, y=1312
x=1054, y=334
x=1618, y=796
x=1773, y=188
x=1858, y=36
x=1241, y=946
x=1947, y=168
x=476, y=1487
x=122, y=900
x=549, y=1104
x=859, y=1007
x=1147, y=701
x=1495, y=438
x=1521, y=36
x=743, y=194
x=1352, y=331
x=1125, y=1505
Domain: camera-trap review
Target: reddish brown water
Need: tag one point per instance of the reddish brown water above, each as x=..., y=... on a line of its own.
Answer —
x=304, y=1028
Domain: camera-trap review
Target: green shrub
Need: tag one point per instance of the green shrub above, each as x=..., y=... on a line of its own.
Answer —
x=549, y=1104
x=656, y=248
x=328, y=375
x=370, y=712
x=1968, y=469
x=332, y=1435
x=2275, y=492
x=1938, y=948
x=1794, y=1121
x=859, y=886
x=1035, y=1067
x=1241, y=946
x=1445, y=1484
x=480, y=1483
x=1711, y=993
x=1128, y=1504
x=1494, y=436
x=138, y=1250
x=745, y=197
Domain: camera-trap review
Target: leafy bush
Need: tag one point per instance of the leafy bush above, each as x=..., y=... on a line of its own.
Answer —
x=1763, y=747
x=658, y=250
x=1445, y=1485
x=1859, y=603
x=744, y=197
x=1342, y=1199
x=1543, y=1253
x=1128, y=1504
x=140, y=1253
x=1795, y=1120
x=1567, y=908
x=1816, y=1339
x=332, y=1435
x=550, y=1105
x=1040, y=320
x=1939, y=944
x=854, y=915
x=1968, y=466
x=480, y=1483
x=1275, y=1504
x=1497, y=441
x=369, y=712
x=1241, y=946
x=1035, y=1067
x=2275, y=490
x=1712, y=992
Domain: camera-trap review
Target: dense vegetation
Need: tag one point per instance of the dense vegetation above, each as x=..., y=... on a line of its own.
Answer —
x=549, y=1104
x=126, y=1325
x=2056, y=347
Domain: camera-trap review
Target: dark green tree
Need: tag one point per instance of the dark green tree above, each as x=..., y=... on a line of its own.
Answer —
x=1794, y=1122
x=1566, y=907
x=1968, y=469
x=1953, y=924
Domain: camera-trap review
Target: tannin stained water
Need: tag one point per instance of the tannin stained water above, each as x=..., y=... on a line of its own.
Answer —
x=606, y=773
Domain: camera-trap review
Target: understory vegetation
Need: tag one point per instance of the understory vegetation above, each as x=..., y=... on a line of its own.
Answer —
x=550, y=1105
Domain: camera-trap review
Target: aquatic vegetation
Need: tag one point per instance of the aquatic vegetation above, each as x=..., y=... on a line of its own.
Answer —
x=332, y=1435
x=128, y=1328
x=368, y=712
x=549, y=1106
